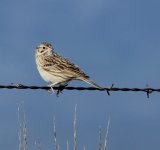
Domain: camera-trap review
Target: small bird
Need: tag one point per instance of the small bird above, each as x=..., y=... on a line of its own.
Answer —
x=57, y=70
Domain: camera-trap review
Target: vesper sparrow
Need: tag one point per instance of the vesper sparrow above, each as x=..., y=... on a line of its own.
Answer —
x=57, y=70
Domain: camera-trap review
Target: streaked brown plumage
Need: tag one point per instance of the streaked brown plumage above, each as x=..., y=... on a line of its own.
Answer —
x=56, y=69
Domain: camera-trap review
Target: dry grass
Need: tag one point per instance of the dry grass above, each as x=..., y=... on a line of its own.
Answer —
x=22, y=133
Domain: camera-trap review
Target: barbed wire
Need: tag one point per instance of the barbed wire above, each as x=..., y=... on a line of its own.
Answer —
x=147, y=89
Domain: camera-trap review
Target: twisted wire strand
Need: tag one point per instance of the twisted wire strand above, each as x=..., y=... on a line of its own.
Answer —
x=147, y=90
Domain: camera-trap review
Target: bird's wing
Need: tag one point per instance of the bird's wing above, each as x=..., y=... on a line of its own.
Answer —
x=59, y=64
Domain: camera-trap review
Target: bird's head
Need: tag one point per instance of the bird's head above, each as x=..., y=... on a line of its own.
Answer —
x=44, y=49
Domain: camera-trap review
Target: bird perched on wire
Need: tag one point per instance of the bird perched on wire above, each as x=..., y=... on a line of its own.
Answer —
x=57, y=70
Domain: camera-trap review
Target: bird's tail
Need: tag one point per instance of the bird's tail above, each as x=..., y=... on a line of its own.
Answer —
x=87, y=80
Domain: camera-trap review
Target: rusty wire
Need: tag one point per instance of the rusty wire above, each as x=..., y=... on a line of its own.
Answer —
x=147, y=90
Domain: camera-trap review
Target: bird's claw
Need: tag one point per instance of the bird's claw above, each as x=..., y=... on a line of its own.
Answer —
x=51, y=90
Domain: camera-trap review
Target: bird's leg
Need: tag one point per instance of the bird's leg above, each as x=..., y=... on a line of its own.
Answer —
x=51, y=86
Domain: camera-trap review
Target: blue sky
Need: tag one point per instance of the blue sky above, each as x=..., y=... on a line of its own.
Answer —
x=113, y=41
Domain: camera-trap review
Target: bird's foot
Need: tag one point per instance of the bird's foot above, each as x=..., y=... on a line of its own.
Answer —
x=51, y=90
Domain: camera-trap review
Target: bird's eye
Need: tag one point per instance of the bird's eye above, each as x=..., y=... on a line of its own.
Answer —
x=44, y=48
